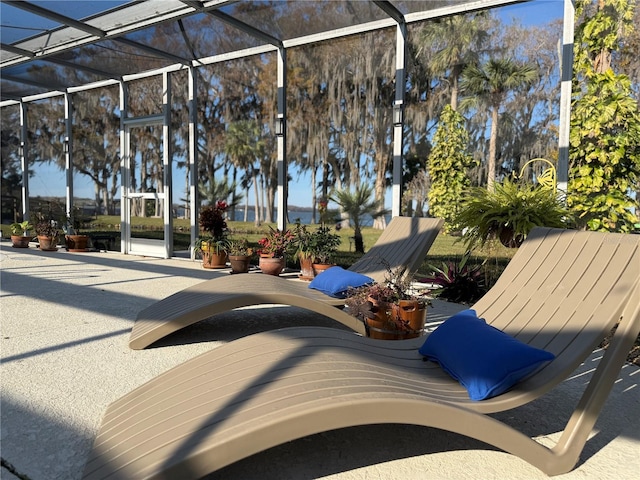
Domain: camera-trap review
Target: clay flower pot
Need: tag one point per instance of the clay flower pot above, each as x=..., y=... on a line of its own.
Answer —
x=211, y=259
x=48, y=244
x=77, y=243
x=272, y=265
x=20, y=241
x=239, y=263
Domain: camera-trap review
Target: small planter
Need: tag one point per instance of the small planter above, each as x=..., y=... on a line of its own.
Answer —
x=306, y=269
x=47, y=244
x=272, y=265
x=213, y=260
x=239, y=263
x=318, y=268
x=385, y=327
x=413, y=315
x=77, y=243
x=20, y=241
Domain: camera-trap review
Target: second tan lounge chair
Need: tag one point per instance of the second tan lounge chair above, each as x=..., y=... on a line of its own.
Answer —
x=563, y=291
x=404, y=242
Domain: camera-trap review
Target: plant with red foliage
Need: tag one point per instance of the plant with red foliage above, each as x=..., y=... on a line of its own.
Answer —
x=214, y=226
x=276, y=242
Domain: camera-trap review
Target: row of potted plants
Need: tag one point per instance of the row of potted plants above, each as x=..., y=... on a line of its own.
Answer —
x=48, y=233
x=310, y=247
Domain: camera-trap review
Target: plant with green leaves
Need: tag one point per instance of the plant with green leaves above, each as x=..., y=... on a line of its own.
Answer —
x=448, y=165
x=238, y=247
x=21, y=228
x=323, y=245
x=356, y=204
x=509, y=213
x=604, y=151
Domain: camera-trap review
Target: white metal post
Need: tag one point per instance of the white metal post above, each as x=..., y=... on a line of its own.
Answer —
x=566, y=76
x=281, y=125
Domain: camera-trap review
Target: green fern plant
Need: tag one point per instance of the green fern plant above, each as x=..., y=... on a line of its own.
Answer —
x=509, y=213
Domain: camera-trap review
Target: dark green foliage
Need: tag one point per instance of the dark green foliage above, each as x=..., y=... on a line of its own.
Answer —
x=458, y=281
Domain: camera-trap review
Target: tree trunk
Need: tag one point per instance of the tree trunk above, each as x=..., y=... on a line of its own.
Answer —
x=357, y=239
x=491, y=162
x=256, y=205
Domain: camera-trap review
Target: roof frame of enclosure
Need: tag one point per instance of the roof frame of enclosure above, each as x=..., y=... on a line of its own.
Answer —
x=131, y=22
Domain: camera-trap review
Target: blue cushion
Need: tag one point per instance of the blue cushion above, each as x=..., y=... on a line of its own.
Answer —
x=335, y=281
x=485, y=360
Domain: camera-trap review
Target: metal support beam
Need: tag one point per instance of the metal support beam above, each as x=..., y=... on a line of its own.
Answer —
x=167, y=165
x=194, y=199
x=67, y=148
x=125, y=227
x=566, y=74
x=43, y=12
x=17, y=50
x=282, y=139
x=24, y=161
x=151, y=50
x=398, y=120
x=245, y=27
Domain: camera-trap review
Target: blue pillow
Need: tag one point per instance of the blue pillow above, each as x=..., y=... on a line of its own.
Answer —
x=485, y=360
x=335, y=281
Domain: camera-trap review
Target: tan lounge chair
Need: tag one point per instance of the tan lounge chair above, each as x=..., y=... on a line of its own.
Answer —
x=563, y=291
x=405, y=242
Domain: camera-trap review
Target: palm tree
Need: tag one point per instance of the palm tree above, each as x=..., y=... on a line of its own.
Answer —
x=244, y=146
x=356, y=204
x=452, y=44
x=489, y=85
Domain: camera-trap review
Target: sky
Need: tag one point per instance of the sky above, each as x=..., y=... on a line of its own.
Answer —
x=49, y=181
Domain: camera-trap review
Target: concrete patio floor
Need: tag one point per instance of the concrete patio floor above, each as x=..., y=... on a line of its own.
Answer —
x=65, y=323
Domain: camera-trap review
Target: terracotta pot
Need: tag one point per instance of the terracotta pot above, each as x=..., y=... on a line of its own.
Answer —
x=211, y=259
x=77, y=243
x=48, y=244
x=272, y=265
x=239, y=263
x=318, y=268
x=20, y=241
x=306, y=268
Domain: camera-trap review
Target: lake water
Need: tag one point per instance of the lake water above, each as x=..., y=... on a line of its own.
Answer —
x=304, y=216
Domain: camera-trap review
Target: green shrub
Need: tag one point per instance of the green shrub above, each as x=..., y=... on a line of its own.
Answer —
x=509, y=213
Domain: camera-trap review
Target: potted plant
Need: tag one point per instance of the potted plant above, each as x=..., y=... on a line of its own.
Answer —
x=211, y=243
x=509, y=213
x=239, y=254
x=20, y=237
x=323, y=245
x=273, y=247
x=303, y=251
x=74, y=240
x=390, y=310
x=47, y=232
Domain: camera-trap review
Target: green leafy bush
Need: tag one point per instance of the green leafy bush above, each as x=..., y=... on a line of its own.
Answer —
x=509, y=213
